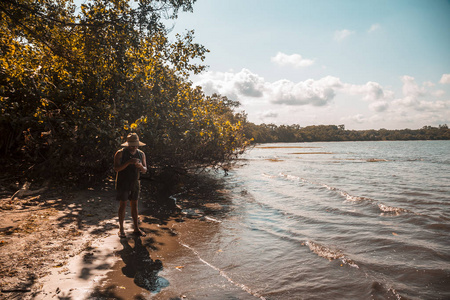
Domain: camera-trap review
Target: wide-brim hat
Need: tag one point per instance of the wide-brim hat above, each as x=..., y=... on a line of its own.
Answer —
x=133, y=140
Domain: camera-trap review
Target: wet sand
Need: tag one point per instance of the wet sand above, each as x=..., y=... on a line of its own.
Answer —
x=140, y=260
x=161, y=266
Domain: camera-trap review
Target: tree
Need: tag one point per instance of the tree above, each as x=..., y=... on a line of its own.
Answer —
x=73, y=84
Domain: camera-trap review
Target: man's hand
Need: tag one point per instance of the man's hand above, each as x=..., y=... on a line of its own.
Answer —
x=141, y=167
x=134, y=161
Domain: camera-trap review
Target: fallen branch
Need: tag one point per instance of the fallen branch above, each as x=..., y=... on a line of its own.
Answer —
x=25, y=190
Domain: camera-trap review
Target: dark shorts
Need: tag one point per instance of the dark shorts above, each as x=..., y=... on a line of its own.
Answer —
x=127, y=195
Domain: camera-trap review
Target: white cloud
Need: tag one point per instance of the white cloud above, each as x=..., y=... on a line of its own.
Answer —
x=418, y=103
x=413, y=96
x=374, y=27
x=340, y=35
x=249, y=84
x=269, y=114
x=370, y=91
x=233, y=85
x=445, y=79
x=418, y=98
x=438, y=93
x=420, y=114
x=379, y=106
x=411, y=88
x=295, y=60
x=433, y=106
x=245, y=85
x=429, y=84
x=358, y=118
x=413, y=103
x=406, y=118
x=314, y=92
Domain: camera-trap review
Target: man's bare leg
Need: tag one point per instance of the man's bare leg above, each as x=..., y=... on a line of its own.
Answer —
x=121, y=213
x=134, y=215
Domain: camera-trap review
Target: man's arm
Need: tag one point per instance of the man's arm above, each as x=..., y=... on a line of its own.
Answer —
x=142, y=166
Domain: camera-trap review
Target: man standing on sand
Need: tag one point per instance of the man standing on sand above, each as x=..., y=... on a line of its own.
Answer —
x=129, y=162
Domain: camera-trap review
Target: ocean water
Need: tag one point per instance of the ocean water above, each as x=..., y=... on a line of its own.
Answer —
x=337, y=220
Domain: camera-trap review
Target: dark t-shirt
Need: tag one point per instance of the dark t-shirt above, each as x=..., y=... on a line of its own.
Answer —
x=128, y=178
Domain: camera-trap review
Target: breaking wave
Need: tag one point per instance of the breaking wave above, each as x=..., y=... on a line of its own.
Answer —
x=330, y=254
x=348, y=197
x=393, y=210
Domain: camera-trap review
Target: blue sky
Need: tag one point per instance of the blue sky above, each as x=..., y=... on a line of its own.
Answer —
x=366, y=64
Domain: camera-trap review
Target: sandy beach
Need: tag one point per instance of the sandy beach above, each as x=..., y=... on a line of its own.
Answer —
x=64, y=245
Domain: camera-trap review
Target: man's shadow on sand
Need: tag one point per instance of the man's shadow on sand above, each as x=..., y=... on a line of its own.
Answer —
x=140, y=266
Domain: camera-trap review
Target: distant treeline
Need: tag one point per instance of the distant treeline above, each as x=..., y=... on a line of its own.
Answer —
x=271, y=133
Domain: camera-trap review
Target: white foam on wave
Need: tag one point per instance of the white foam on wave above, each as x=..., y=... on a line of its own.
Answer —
x=352, y=198
x=391, y=209
x=223, y=274
x=268, y=175
x=330, y=254
x=212, y=219
x=395, y=293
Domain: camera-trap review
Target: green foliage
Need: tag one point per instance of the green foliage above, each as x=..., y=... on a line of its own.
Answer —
x=73, y=86
x=294, y=133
